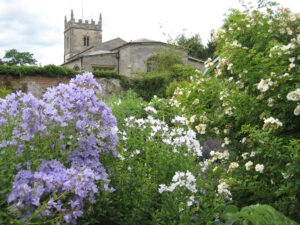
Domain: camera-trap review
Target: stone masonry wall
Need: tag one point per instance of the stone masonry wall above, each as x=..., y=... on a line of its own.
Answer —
x=37, y=85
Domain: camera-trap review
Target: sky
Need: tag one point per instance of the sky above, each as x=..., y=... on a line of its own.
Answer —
x=37, y=26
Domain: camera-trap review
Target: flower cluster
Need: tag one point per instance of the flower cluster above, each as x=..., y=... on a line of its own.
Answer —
x=271, y=124
x=223, y=189
x=175, y=137
x=58, y=183
x=150, y=110
x=264, y=85
x=295, y=96
x=180, y=179
x=76, y=126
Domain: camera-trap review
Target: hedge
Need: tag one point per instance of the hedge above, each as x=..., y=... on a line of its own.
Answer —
x=51, y=71
x=146, y=85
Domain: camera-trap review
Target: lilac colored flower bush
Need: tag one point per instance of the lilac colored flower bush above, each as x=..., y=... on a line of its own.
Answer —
x=68, y=125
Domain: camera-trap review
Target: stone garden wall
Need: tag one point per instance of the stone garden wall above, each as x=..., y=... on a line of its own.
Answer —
x=37, y=85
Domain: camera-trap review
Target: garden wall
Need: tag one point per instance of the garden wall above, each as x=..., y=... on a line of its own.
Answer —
x=37, y=85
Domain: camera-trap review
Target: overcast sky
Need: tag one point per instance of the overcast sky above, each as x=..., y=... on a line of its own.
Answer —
x=37, y=26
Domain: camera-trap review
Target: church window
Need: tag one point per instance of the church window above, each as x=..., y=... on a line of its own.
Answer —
x=76, y=68
x=151, y=62
x=67, y=42
x=86, y=41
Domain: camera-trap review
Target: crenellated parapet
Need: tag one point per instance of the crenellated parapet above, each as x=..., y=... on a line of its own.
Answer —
x=80, y=24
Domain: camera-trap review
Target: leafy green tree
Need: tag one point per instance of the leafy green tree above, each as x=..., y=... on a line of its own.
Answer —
x=166, y=60
x=13, y=57
x=193, y=45
x=210, y=48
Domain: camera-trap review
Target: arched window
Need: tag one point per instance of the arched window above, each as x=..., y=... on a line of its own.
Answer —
x=151, y=62
x=67, y=42
x=76, y=68
x=86, y=41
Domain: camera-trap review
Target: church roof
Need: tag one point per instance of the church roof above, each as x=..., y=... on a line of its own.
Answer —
x=111, y=44
x=143, y=40
x=97, y=52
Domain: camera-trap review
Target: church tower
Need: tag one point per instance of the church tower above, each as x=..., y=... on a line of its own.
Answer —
x=79, y=36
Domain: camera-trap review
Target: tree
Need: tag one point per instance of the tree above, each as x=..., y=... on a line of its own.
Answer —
x=13, y=57
x=210, y=47
x=193, y=45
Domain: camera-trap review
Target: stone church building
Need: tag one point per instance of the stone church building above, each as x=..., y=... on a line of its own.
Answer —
x=84, y=50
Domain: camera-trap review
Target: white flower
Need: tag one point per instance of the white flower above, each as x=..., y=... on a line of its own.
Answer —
x=285, y=175
x=271, y=124
x=292, y=59
x=259, y=168
x=297, y=110
x=150, y=110
x=244, y=155
x=291, y=66
x=162, y=188
x=137, y=152
x=264, y=85
x=201, y=128
x=294, y=95
x=179, y=120
x=191, y=200
x=233, y=165
x=223, y=189
x=248, y=165
x=228, y=111
x=203, y=118
x=226, y=142
x=271, y=102
x=180, y=179
x=229, y=67
x=292, y=17
x=216, y=130
x=243, y=140
x=196, y=101
x=192, y=119
x=208, y=63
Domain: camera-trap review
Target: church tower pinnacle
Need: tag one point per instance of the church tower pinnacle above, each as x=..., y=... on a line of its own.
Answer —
x=100, y=21
x=72, y=14
x=81, y=35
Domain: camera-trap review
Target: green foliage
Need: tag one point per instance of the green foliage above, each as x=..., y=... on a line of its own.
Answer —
x=155, y=83
x=255, y=215
x=51, y=71
x=125, y=105
x=144, y=162
x=248, y=101
x=4, y=92
x=165, y=59
x=151, y=84
x=13, y=57
x=193, y=45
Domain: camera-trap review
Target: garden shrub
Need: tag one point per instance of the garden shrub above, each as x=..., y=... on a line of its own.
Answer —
x=52, y=71
x=50, y=150
x=146, y=85
x=4, y=92
x=157, y=177
x=250, y=101
x=256, y=215
x=125, y=105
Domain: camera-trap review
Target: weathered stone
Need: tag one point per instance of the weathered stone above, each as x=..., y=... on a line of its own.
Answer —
x=118, y=55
